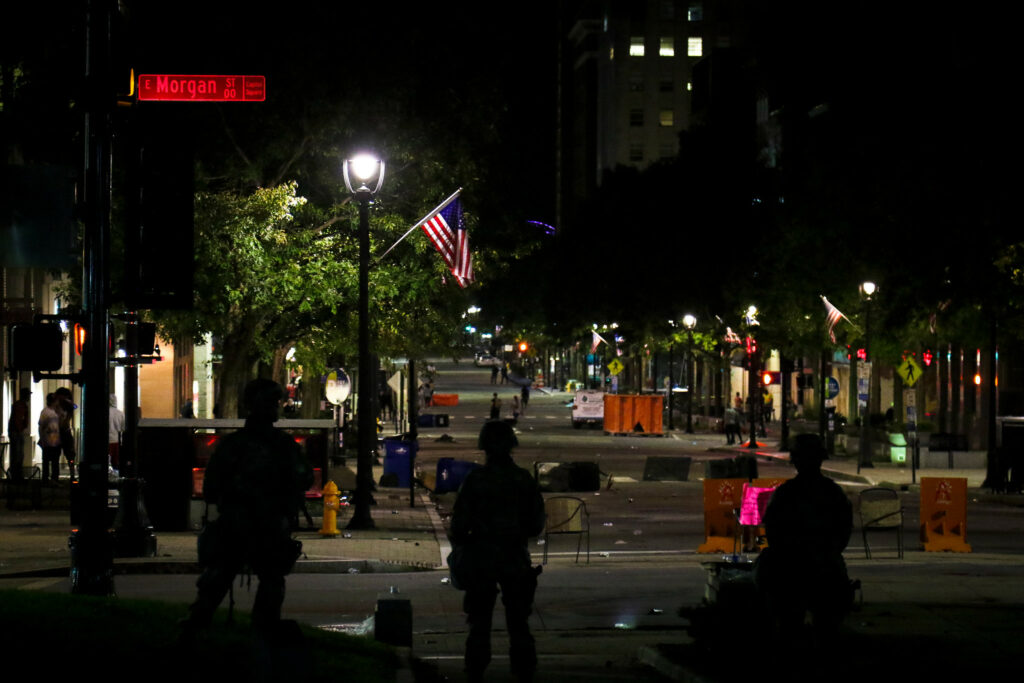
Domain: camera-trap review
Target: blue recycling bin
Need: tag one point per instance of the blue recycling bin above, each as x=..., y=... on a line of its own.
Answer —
x=399, y=458
x=451, y=473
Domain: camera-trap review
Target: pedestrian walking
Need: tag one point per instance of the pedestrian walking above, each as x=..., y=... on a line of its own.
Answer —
x=495, y=407
x=504, y=373
x=494, y=374
x=516, y=407
x=525, y=396
x=49, y=438
x=498, y=509
x=18, y=434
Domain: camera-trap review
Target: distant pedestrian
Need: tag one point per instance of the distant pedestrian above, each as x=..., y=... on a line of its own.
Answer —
x=504, y=373
x=66, y=410
x=732, y=425
x=516, y=407
x=499, y=507
x=18, y=434
x=738, y=402
x=495, y=407
x=49, y=438
x=114, y=431
x=525, y=396
x=494, y=374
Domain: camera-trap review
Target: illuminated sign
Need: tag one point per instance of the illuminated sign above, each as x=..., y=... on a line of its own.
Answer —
x=179, y=88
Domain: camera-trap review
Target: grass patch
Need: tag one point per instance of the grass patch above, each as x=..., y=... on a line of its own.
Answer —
x=67, y=635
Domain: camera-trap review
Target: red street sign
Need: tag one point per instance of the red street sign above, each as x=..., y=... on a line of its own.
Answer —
x=179, y=88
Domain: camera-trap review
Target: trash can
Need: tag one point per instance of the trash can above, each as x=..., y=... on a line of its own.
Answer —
x=898, y=449
x=399, y=458
x=451, y=473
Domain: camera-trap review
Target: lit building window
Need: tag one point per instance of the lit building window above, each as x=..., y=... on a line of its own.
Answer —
x=636, y=46
x=695, y=12
x=666, y=118
x=667, y=47
x=695, y=46
x=636, y=117
x=611, y=54
x=689, y=86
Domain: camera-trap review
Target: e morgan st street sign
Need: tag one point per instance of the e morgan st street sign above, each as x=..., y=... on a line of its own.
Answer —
x=185, y=88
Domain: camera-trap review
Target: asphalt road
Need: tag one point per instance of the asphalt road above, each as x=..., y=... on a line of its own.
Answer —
x=593, y=618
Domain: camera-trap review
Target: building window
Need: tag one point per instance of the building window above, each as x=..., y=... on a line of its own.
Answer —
x=636, y=83
x=636, y=46
x=666, y=86
x=666, y=118
x=667, y=151
x=695, y=46
x=667, y=47
x=611, y=54
x=636, y=152
x=636, y=117
x=668, y=9
x=695, y=12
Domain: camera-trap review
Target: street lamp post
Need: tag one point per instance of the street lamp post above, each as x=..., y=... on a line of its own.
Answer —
x=367, y=171
x=689, y=322
x=753, y=385
x=867, y=289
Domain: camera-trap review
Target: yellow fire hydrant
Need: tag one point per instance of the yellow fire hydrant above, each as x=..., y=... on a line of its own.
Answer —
x=332, y=501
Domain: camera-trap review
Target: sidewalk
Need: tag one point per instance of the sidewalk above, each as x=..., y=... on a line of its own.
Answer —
x=35, y=542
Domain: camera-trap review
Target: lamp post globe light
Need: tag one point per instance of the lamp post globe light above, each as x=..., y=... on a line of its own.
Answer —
x=368, y=172
x=867, y=290
x=689, y=322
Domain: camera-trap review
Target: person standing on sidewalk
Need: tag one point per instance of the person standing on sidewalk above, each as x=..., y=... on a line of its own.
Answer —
x=66, y=410
x=257, y=478
x=49, y=438
x=498, y=508
x=18, y=433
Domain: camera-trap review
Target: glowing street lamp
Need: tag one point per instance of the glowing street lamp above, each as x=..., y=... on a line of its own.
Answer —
x=368, y=171
x=867, y=290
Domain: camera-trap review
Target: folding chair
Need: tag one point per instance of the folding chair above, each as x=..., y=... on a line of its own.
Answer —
x=881, y=510
x=566, y=515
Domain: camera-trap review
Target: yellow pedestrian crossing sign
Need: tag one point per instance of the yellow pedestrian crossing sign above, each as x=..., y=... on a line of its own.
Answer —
x=909, y=371
x=616, y=366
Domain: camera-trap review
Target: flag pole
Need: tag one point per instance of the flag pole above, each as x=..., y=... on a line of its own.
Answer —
x=419, y=223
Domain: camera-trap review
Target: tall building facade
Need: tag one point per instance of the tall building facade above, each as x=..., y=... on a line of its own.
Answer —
x=626, y=83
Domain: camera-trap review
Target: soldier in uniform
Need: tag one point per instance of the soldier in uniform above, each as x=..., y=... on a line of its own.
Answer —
x=257, y=478
x=498, y=508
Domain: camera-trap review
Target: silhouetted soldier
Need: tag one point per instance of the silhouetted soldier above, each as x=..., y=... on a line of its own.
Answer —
x=499, y=507
x=257, y=477
x=808, y=524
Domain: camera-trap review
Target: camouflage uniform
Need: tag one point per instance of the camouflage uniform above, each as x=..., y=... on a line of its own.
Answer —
x=498, y=508
x=257, y=477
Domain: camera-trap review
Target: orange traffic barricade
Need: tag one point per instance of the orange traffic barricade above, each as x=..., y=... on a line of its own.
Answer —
x=944, y=514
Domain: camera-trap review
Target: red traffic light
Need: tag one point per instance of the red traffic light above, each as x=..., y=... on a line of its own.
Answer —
x=523, y=347
x=771, y=378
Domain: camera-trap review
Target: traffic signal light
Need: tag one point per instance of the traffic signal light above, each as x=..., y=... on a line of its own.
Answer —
x=523, y=347
x=771, y=378
x=36, y=347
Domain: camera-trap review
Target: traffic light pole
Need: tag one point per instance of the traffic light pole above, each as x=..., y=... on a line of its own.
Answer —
x=92, y=545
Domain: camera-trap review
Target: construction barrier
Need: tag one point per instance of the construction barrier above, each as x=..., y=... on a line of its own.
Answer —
x=944, y=514
x=722, y=497
x=444, y=400
x=633, y=414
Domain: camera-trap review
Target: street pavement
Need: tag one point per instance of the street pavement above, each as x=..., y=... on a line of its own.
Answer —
x=928, y=612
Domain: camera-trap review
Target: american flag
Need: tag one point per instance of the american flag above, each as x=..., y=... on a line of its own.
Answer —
x=832, y=316
x=447, y=231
